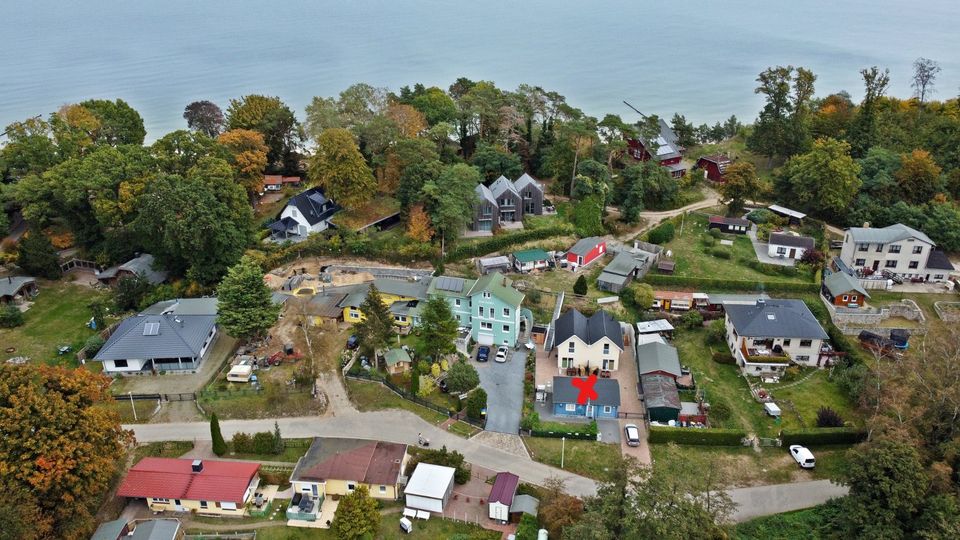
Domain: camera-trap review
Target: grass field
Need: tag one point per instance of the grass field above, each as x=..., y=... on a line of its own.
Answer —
x=266, y=404
x=145, y=410
x=58, y=317
x=587, y=458
x=371, y=396
x=435, y=528
x=293, y=451
x=694, y=258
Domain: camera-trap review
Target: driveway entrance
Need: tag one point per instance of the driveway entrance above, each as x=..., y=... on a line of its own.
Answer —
x=503, y=384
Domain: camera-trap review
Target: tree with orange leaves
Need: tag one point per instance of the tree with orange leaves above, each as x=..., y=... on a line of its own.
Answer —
x=248, y=153
x=60, y=447
x=410, y=121
x=418, y=226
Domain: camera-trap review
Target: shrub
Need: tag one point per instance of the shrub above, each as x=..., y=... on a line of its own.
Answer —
x=528, y=528
x=828, y=418
x=533, y=295
x=708, y=241
x=691, y=320
x=715, y=233
x=476, y=403
x=761, y=215
x=662, y=234
x=435, y=370
x=719, y=410
x=445, y=458
x=580, y=287
x=462, y=377
x=717, y=331
x=695, y=436
x=242, y=443
x=263, y=442
x=822, y=436
x=724, y=358
x=426, y=386
x=530, y=421
x=10, y=316
x=720, y=253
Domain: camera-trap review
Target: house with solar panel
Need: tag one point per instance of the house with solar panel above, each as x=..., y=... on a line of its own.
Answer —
x=306, y=213
x=489, y=306
x=169, y=336
x=665, y=150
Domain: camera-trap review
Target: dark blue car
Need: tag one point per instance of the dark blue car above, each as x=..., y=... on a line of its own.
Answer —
x=353, y=342
x=483, y=353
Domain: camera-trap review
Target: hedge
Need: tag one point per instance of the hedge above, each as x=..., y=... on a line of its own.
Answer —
x=731, y=284
x=503, y=241
x=696, y=436
x=822, y=436
x=724, y=358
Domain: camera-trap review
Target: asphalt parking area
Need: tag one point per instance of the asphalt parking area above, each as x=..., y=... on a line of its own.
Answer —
x=503, y=384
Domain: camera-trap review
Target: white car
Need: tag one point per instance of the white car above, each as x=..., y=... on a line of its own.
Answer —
x=803, y=456
x=633, y=434
x=501, y=355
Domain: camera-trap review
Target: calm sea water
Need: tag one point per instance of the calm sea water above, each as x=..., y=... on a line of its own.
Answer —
x=697, y=57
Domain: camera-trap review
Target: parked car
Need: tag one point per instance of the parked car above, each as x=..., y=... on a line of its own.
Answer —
x=483, y=353
x=633, y=434
x=502, y=355
x=353, y=342
x=803, y=456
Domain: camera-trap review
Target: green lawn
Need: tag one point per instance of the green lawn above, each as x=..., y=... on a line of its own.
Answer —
x=463, y=429
x=694, y=258
x=587, y=458
x=161, y=449
x=292, y=452
x=58, y=317
x=261, y=405
x=435, y=528
x=371, y=396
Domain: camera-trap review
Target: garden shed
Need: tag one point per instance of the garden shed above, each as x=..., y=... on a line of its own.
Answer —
x=661, y=398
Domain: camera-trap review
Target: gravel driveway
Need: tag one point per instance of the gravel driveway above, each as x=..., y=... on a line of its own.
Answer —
x=503, y=384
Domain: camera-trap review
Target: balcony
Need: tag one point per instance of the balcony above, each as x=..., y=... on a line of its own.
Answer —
x=764, y=353
x=303, y=507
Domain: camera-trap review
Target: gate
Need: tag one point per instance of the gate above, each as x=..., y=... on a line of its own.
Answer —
x=180, y=397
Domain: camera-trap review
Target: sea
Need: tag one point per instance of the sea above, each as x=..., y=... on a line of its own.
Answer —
x=696, y=57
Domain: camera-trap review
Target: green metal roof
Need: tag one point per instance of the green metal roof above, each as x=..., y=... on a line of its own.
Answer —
x=395, y=356
x=840, y=283
x=500, y=286
x=531, y=255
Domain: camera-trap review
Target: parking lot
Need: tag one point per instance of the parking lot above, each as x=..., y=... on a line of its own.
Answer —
x=503, y=384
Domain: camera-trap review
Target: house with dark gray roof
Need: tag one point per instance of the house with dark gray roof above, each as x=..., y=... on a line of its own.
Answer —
x=656, y=356
x=843, y=290
x=789, y=246
x=585, y=251
x=163, y=338
x=594, y=342
x=142, y=265
x=895, y=249
x=566, y=396
x=506, y=202
x=660, y=397
x=625, y=266
x=306, y=213
x=16, y=289
x=664, y=149
x=486, y=213
x=531, y=194
x=768, y=335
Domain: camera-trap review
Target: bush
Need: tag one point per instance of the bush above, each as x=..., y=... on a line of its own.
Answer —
x=528, y=528
x=530, y=422
x=462, y=377
x=476, y=402
x=242, y=443
x=695, y=436
x=717, y=332
x=822, y=436
x=719, y=411
x=503, y=241
x=762, y=215
x=724, y=358
x=580, y=287
x=534, y=296
x=708, y=241
x=691, y=320
x=720, y=253
x=93, y=345
x=719, y=284
x=263, y=443
x=443, y=457
x=715, y=233
x=10, y=316
x=828, y=418
x=662, y=234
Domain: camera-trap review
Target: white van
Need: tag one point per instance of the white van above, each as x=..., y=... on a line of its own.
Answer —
x=803, y=456
x=771, y=409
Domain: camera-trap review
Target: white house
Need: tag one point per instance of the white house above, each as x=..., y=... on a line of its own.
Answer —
x=766, y=336
x=306, y=213
x=589, y=343
x=789, y=246
x=429, y=487
x=899, y=249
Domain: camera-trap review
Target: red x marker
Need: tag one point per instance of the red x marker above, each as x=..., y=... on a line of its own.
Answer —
x=586, y=389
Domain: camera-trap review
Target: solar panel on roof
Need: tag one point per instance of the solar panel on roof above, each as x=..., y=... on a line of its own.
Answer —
x=151, y=329
x=450, y=284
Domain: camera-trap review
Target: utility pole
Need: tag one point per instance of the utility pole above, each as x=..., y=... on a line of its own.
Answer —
x=563, y=449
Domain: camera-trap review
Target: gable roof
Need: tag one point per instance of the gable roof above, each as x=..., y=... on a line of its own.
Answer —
x=456, y=287
x=142, y=264
x=589, y=330
x=183, y=306
x=395, y=356
x=314, y=205
x=731, y=221
x=938, y=261
x=608, y=391
x=657, y=356
x=11, y=285
x=403, y=287
x=526, y=180
x=272, y=179
x=840, y=283
x=173, y=336
x=531, y=255
x=584, y=245
x=775, y=318
x=886, y=235
x=500, y=286
x=789, y=240
x=368, y=462
x=667, y=145
x=721, y=160
x=504, y=488
x=660, y=391
x=172, y=478
x=156, y=529
x=527, y=504
x=502, y=185
x=483, y=192
x=625, y=263
x=110, y=530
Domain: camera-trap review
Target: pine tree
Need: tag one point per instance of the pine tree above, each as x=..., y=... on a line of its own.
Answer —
x=278, y=444
x=376, y=327
x=580, y=287
x=37, y=256
x=244, y=303
x=219, y=445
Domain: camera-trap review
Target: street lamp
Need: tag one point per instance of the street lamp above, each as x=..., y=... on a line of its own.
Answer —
x=563, y=449
x=134, y=409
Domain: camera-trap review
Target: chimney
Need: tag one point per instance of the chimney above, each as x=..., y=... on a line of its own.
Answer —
x=197, y=466
x=179, y=321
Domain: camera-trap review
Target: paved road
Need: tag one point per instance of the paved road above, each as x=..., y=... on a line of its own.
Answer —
x=391, y=425
x=767, y=500
x=503, y=384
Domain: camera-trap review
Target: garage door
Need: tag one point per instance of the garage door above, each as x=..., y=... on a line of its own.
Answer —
x=485, y=339
x=424, y=503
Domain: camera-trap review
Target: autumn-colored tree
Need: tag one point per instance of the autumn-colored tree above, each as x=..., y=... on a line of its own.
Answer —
x=338, y=167
x=740, y=182
x=75, y=129
x=557, y=509
x=418, y=226
x=918, y=177
x=60, y=447
x=248, y=156
x=410, y=122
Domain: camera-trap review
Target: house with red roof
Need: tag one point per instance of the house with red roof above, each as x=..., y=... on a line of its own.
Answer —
x=272, y=182
x=220, y=488
x=501, y=496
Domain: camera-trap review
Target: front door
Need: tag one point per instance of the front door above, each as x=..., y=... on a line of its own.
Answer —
x=876, y=265
x=179, y=507
x=793, y=253
x=666, y=305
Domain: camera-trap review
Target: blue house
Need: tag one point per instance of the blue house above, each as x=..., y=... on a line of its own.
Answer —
x=489, y=306
x=565, y=396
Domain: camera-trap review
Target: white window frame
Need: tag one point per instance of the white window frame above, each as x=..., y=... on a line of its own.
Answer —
x=571, y=347
x=383, y=489
x=506, y=312
x=570, y=407
x=607, y=409
x=506, y=328
x=456, y=302
x=606, y=348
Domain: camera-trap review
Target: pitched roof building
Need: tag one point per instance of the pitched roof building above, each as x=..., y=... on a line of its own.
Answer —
x=207, y=481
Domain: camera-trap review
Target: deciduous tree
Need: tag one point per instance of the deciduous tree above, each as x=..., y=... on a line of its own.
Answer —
x=204, y=116
x=248, y=156
x=925, y=72
x=494, y=161
x=245, y=308
x=357, y=515
x=418, y=225
x=410, y=122
x=740, y=182
x=338, y=167
x=462, y=377
x=37, y=256
x=119, y=122
x=918, y=177
x=272, y=118
x=449, y=199
x=825, y=179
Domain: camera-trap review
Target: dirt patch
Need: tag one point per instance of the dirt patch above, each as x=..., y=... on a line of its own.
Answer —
x=177, y=411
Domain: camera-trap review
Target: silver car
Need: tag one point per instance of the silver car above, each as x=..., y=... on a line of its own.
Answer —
x=501, y=355
x=633, y=434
